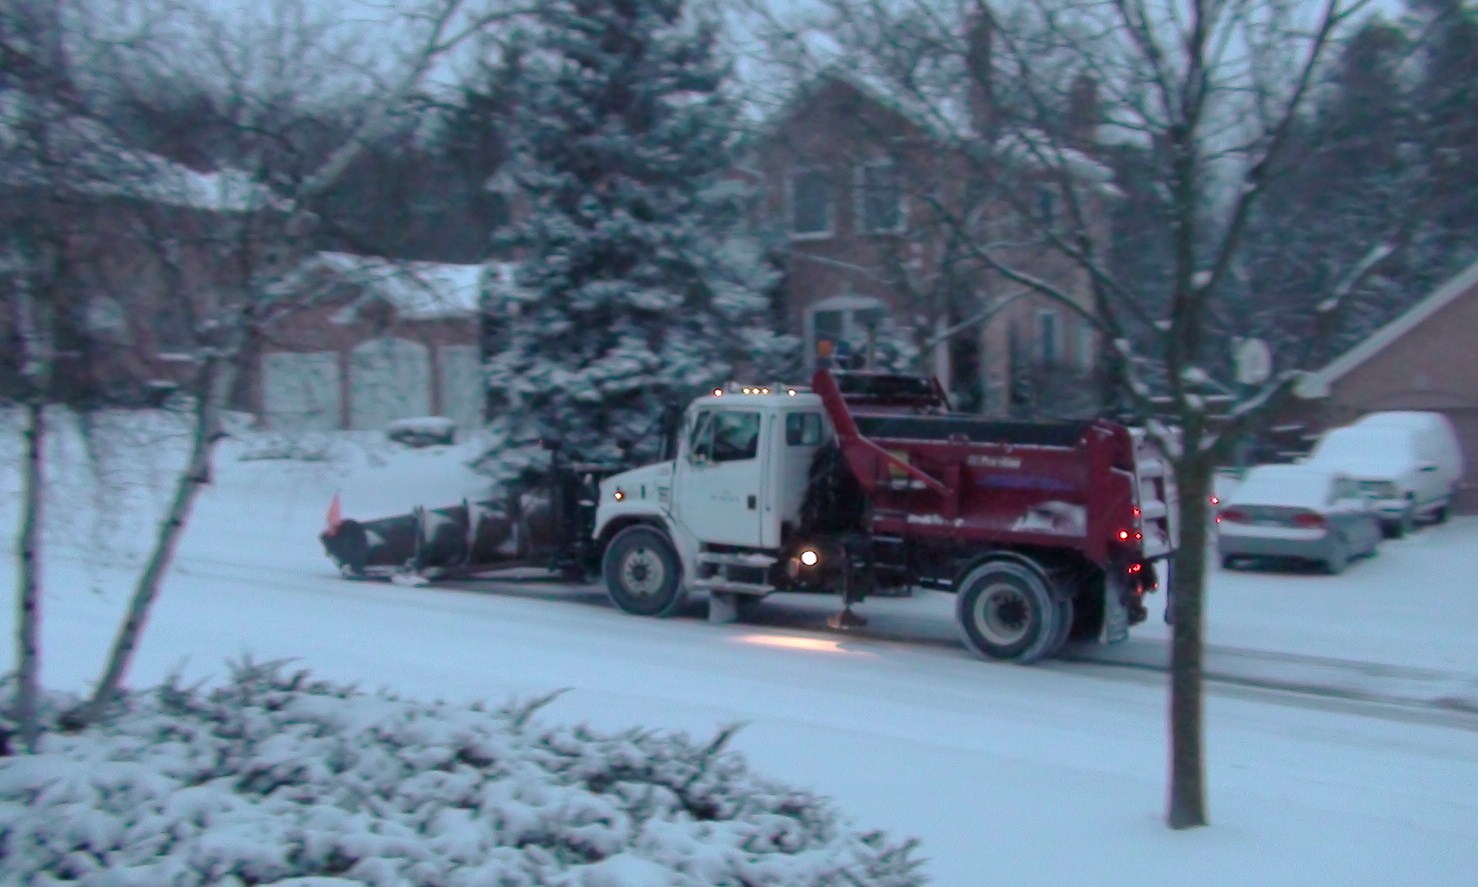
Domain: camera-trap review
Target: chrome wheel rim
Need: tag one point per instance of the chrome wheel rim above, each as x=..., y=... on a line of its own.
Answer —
x=643, y=572
x=1002, y=615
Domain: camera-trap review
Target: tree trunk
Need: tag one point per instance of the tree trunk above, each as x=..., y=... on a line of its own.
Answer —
x=1187, y=802
x=219, y=376
x=28, y=623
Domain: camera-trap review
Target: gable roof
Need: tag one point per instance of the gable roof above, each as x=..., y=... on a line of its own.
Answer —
x=86, y=157
x=947, y=122
x=1317, y=384
x=416, y=290
x=869, y=89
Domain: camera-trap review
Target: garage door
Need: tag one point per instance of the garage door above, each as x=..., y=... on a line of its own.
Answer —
x=389, y=379
x=461, y=384
x=300, y=392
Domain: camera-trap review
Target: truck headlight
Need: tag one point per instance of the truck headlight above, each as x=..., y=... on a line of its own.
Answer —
x=810, y=558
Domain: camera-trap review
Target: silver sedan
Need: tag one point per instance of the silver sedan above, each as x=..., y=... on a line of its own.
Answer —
x=1297, y=512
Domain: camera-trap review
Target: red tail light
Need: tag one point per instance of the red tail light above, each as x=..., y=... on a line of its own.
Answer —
x=1233, y=516
x=1308, y=520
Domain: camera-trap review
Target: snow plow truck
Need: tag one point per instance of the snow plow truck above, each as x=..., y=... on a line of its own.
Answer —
x=862, y=484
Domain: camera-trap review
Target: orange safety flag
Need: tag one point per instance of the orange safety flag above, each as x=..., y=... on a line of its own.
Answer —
x=335, y=514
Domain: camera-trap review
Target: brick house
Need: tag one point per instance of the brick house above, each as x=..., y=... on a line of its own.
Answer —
x=126, y=253
x=864, y=194
x=368, y=340
x=1425, y=359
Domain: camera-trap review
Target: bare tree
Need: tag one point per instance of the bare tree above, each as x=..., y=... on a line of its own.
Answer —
x=1204, y=94
x=33, y=60
x=255, y=218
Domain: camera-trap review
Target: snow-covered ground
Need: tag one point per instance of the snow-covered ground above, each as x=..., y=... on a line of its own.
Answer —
x=1047, y=775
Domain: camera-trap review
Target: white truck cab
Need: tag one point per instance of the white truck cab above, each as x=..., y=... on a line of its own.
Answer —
x=738, y=476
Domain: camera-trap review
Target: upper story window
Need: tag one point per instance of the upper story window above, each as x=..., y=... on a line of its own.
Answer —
x=1087, y=345
x=811, y=203
x=1049, y=347
x=1046, y=207
x=879, y=199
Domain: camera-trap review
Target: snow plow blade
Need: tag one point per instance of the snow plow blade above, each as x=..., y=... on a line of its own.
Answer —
x=544, y=524
x=467, y=538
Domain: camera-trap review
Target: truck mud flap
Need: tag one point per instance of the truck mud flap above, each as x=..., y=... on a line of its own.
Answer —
x=1115, y=612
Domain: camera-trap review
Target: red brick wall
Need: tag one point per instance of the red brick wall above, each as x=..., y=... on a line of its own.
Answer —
x=1434, y=366
x=837, y=128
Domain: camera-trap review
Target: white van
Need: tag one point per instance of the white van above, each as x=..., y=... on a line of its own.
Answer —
x=1408, y=461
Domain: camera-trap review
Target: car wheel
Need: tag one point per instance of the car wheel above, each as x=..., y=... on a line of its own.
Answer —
x=1339, y=558
x=1440, y=515
x=642, y=572
x=1396, y=529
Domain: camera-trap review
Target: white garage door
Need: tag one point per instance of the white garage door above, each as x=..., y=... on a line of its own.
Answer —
x=300, y=392
x=461, y=384
x=389, y=379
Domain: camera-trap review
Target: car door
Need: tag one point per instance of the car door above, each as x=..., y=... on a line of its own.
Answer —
x=719, y=479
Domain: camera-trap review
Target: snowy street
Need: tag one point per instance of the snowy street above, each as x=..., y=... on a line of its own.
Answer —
x=1040, y=775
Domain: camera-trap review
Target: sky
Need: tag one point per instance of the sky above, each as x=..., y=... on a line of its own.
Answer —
x=1044, y=775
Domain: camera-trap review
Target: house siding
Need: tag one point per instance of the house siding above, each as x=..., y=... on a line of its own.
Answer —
x=1433, y=366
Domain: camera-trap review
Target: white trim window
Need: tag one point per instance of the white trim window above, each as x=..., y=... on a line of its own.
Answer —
x=1049, y=343
x=849, y=323
x=1087, y=345
x=879, y=193
x=812, y=203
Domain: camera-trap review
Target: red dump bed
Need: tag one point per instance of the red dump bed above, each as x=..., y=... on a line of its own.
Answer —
x=1092, y=486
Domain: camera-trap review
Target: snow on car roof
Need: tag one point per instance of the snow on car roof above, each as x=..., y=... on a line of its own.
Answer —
x=1365, y=442
x=1296, y=485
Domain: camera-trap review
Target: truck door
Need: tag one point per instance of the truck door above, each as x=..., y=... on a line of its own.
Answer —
x=718, y=484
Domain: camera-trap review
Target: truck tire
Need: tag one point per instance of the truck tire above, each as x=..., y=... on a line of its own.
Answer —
x=642, y=572
x=1064, y=625
x=1005, y=611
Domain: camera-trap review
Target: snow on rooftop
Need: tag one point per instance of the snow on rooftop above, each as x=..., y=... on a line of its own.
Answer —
x=84, y=156
x=417, y=290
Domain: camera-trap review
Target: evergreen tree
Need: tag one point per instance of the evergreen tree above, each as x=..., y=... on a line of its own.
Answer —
x=635, y=287
x=1446, y=101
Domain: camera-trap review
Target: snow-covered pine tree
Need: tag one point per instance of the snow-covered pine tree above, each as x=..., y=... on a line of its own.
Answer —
x=635, y=284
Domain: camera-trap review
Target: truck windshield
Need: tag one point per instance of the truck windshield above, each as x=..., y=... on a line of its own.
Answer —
x=724, y=436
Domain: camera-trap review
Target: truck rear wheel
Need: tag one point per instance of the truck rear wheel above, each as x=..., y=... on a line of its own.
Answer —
x=643, y=575
x=1005, y=611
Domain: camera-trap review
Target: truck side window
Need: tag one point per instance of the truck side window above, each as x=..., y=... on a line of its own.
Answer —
x=700, y=442
x=735, y=436
x=803, y=429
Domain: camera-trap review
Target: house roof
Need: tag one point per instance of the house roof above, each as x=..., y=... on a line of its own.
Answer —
x=416, y=290
x=1318, y=384
x=86, y=157
x=945, y=120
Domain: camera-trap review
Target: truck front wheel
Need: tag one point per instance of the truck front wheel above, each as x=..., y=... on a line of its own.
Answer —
x=1005, y=611
x=643, y=575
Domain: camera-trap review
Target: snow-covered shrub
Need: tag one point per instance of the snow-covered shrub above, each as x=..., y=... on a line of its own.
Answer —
x=276, y=778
